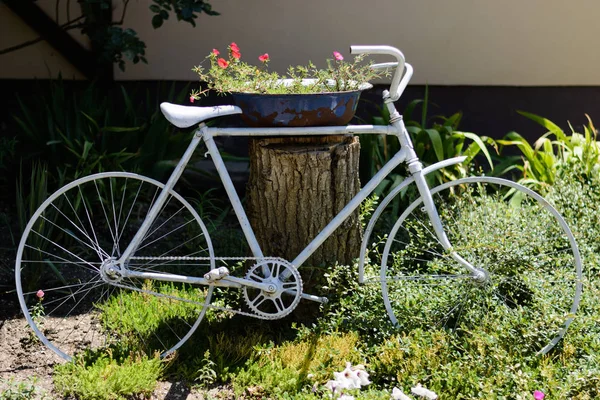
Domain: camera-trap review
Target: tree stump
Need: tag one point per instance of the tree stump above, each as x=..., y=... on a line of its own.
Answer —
x=296, y=186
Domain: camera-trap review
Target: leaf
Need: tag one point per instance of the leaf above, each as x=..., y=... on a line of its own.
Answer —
x=157, y=21
x=424, y=108
x=436, y=142
x=92, y=120
x=481, y=145
x=120, y=129
x=408, y=111
x=546, y=123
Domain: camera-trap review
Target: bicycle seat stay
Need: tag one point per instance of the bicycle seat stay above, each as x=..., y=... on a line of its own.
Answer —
x=185, y=116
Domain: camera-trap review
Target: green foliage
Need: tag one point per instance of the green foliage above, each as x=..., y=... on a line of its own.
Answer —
x=112, y=42
x=147, y=317
x=206, y=373
x=234, y=75
x=576, y=194
x=31, y=193
x=108, y=376
x=366, y=209
x=23, y=390
x=291, y=366
x=185, y=10
x=7, y=150
x=539, y=164
x=79, y=133
x=119, y=44
x=434, y=140
x=442, y=141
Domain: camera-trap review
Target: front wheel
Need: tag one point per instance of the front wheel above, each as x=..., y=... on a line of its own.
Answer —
x=529, y=258
x=70, y=287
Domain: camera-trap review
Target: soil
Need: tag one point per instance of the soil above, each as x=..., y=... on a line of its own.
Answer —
x=25, y=359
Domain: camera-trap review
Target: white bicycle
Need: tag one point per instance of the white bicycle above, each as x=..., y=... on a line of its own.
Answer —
x=130, y=258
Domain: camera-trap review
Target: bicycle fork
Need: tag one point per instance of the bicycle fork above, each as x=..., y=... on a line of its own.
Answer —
x=416, y=170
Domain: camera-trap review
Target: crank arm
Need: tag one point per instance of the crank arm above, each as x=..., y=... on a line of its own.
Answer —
x=311, y=297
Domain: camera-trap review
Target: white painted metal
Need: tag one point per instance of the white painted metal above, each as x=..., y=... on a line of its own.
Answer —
x=390, y=51
x=231, y=192
x=305, y=131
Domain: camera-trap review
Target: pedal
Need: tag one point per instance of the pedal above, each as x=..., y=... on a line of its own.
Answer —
x=216, y=274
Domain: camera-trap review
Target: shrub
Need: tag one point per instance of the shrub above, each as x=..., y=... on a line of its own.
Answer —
x=576, y=194
x=540, y=164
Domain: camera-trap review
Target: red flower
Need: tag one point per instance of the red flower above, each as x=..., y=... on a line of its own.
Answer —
x=222, y=63
x=337, y=56
x=234, y=47
x=40, y=294
x=192, y=99
x=235, y=54
x=216, y=52
x=264, y=58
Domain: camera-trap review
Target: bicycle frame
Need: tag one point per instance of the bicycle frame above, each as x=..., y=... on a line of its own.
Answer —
x=207, y=134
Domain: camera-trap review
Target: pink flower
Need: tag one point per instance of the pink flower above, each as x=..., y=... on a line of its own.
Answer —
x=264, y=58
x=234, y=47
x=338, y=56
x=40, y=294
x=216, y=52
x=538, y=395
x=236, y=54
x=192, y=99
x=222, y=63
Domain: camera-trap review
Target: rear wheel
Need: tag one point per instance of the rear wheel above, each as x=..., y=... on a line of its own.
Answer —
x=523, y=246
x=70, y=287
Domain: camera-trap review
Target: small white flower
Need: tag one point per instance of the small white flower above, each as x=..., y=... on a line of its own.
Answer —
x=398, y=394
x=423, y=392
x=363, y=377
x=348, y=377
x=332, y=386
x=346, y=383
x=346, y=397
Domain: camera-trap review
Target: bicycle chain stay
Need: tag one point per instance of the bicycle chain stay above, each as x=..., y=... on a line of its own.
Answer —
x=210, y=306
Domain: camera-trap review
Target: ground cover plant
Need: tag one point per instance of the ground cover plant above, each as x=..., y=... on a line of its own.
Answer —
x=472, y=361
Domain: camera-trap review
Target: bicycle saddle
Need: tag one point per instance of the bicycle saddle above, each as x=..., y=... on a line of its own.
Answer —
x=186, y=116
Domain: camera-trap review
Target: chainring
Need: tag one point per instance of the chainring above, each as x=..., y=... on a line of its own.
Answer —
x=286, y=288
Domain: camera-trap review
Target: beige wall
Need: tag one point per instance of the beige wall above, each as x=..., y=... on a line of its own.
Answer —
x=40, y=60
x=451, y=42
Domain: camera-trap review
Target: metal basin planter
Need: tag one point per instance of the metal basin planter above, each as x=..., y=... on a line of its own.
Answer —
x=294, y=110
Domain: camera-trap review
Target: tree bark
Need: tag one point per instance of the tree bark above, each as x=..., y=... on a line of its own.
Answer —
x=296, y=186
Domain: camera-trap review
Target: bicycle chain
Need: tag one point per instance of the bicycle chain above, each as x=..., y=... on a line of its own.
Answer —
x=210, y=306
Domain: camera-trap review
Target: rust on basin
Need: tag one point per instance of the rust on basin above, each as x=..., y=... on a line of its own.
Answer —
x=296, y=110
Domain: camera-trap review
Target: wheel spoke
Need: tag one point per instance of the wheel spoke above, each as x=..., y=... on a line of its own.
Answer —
x=532, y=272
x=67, y=246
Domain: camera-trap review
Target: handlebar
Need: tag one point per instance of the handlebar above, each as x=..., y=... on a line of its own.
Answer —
x=400, y=79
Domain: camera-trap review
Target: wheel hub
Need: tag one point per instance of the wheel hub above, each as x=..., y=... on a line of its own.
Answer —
x=111, y=271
